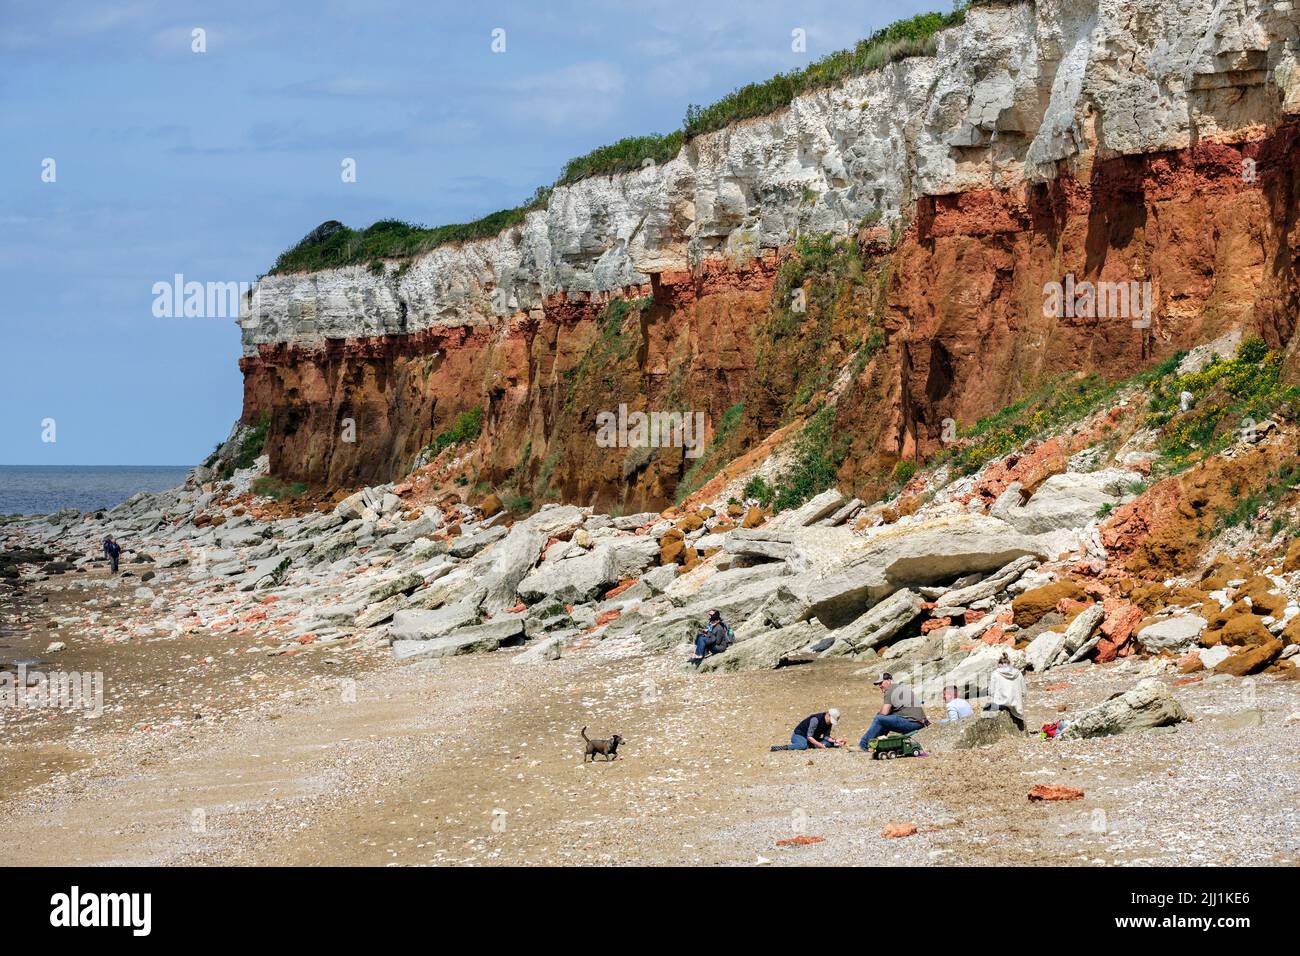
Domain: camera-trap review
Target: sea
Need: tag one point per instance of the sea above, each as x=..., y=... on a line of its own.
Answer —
x=44, y=489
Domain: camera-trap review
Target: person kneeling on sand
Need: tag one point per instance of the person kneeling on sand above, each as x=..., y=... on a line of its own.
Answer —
x=814, y=731
x=900, y=712
x=1007, y=692
x=958, y=707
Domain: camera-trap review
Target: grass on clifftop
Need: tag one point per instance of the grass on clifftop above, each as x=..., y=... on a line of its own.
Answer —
x=332, y=244
x=899, y=40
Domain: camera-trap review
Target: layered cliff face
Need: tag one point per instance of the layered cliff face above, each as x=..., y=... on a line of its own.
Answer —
x=1135, y=142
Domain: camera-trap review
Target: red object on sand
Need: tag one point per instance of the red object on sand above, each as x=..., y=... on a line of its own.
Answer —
x=1054, y=791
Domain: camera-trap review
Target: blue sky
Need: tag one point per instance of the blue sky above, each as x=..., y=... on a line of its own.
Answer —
x=170, y=161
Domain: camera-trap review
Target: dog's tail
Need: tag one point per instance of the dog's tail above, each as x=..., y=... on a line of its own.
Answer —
x=584, y=735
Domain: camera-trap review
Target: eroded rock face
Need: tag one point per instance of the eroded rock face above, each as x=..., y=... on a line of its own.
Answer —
x=1017, y=154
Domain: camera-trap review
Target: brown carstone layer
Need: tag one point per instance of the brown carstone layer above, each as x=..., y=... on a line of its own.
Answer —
x=962, y=312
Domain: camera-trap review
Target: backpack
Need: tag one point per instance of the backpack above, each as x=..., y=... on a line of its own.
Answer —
x=728, y=638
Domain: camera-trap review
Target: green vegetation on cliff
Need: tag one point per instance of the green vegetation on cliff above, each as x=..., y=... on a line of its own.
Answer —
x=466, y=427
x=911, y=37
x=333, y=245
x=813, y=467
x=1227, y=398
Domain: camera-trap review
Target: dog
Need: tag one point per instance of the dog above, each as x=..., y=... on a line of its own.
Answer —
x=609, y=748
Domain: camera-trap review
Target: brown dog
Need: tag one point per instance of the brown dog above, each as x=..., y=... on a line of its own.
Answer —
x=607, y=747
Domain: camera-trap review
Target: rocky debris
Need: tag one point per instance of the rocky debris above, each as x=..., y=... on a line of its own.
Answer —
x=1211, y=657
x=938, y=549
x=1149, y=704
x=989, y=587
x=512, y=559
x=764, y=544
x=466, y=640
x=818, y=507
x=1176, y=635
x=547, y=649
x=1066, y=501
x=1249, y=660
x=893, y=831
x=1051, y=648
x=467, y=546
x=1031, y=605
x=421, y=625
x=881, y=624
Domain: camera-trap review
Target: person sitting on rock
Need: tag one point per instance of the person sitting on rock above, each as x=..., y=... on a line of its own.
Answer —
x=814, y=731
x=112, y=550
x=899, y=712
x=714, y=639
x=1007, y=692
x=958, y=707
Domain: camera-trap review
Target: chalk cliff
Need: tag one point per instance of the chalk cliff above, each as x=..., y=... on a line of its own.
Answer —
x=1146, y=140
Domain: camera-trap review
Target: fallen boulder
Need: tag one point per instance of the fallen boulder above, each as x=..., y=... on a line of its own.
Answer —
x=994, y=584
x=760, y=543
x=1069, y=500
x=570, y=580
x=1034, y=603
x=1249, y=660
x=983, y=730
x=877, y=626
x=415, y=625
x=467, y=640
x=1149, y=704
x=1177, y=635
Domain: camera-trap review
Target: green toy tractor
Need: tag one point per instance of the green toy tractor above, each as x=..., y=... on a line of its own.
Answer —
x=894, y=745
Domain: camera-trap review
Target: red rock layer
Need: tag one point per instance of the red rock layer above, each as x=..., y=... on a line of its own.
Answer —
x=963, y=315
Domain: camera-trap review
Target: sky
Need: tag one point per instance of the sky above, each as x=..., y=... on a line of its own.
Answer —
x=209, y=164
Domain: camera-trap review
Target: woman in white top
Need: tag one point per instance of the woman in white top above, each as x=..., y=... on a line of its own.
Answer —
x=1007, y=691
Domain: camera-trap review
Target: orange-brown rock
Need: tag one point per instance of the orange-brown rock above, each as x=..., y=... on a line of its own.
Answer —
x=1239, y=630
x=672, y=547
x=1291, y=633
x=1263, y=601
x=690, y=522
x=995, y=635
x=1249, y=660
x=1034, y=603
x=753, y=518
x=1164, y=530
x=1292, y=560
